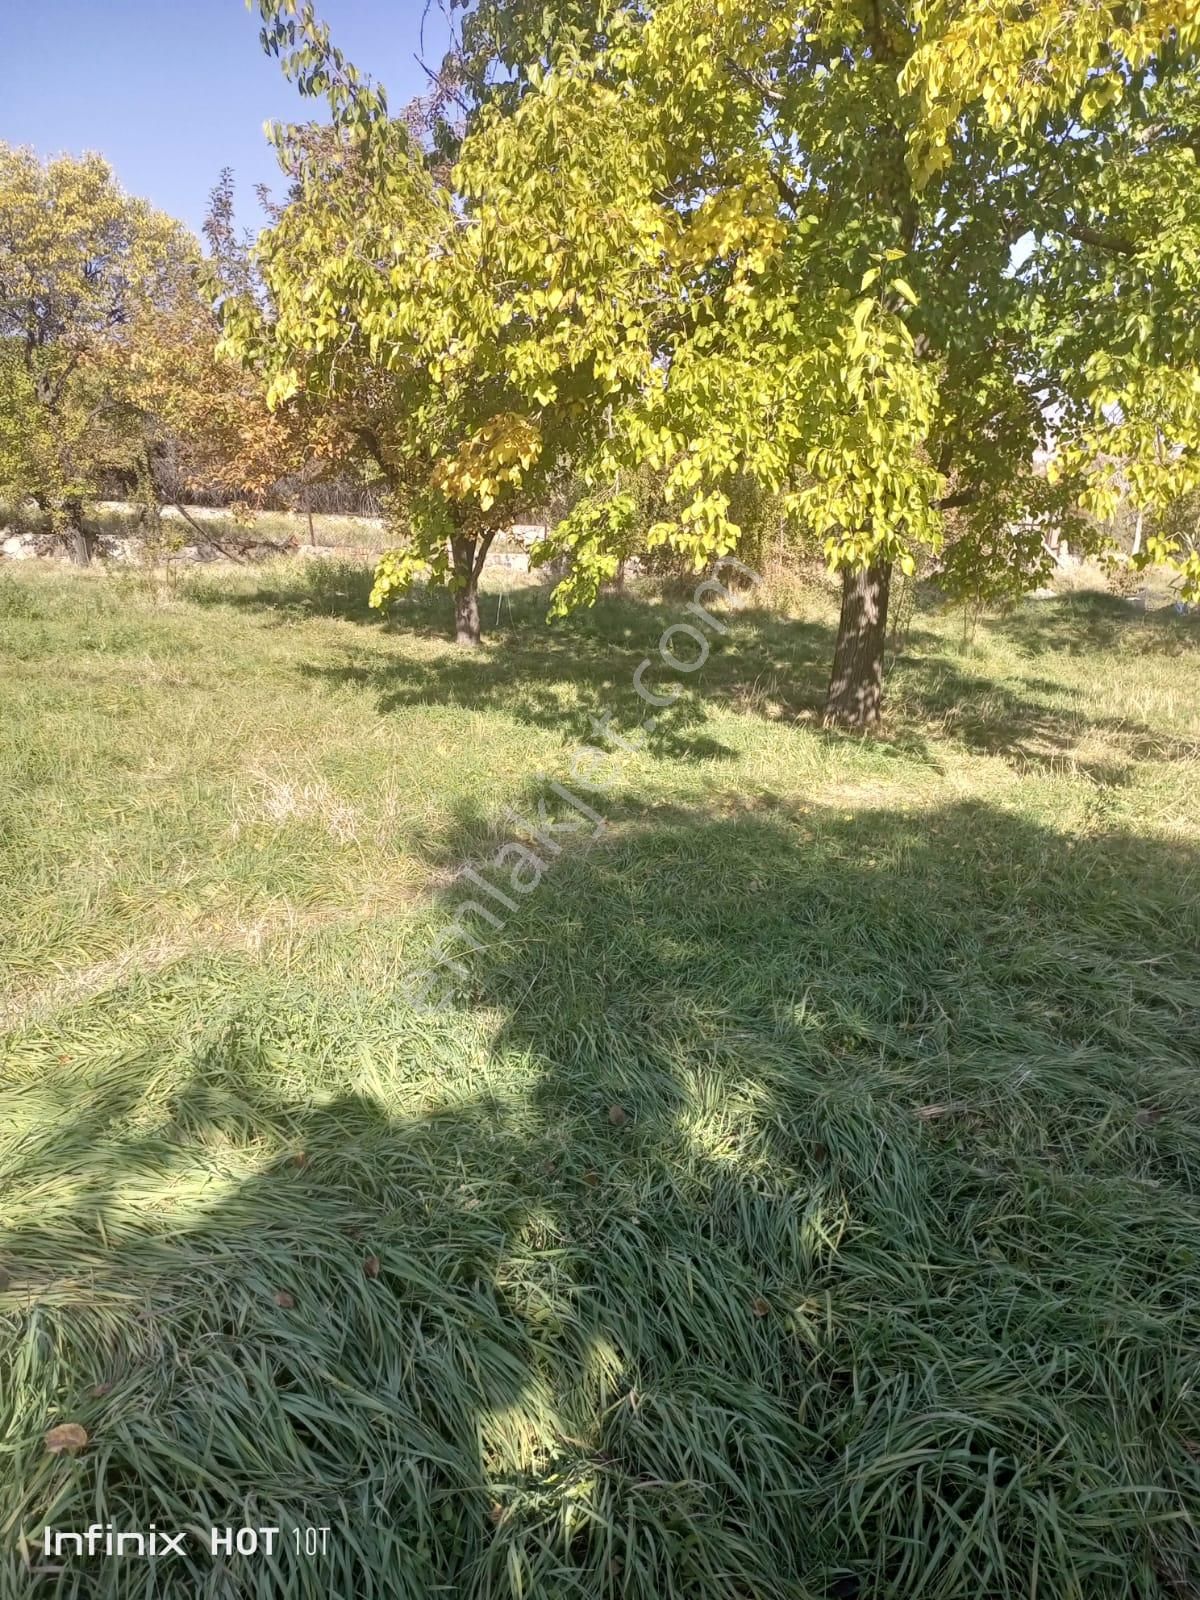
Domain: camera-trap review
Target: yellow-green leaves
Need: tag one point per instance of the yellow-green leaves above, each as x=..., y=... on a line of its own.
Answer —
x=1021, y=61
x=83, y=266
x=745, y=240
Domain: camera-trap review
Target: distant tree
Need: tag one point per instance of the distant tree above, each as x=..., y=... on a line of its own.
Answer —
x=81, y=263
x=206, y=413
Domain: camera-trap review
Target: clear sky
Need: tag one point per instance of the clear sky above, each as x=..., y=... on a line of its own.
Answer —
x=171, y=91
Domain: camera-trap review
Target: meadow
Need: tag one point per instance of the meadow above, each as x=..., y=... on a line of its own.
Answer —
x=798, y=1200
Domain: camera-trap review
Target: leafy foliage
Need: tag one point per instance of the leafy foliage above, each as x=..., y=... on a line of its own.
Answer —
x=835, y=194
x=202, y=407
x=81, y=265
x=385, y=307
x=764, y=241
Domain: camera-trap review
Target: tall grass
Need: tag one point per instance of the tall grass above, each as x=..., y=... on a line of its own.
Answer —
x=800, y=1198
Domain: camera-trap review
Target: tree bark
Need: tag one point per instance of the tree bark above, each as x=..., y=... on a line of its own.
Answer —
x=855, y=695
x=77, y=540
x=466, y=611
x=468, y=552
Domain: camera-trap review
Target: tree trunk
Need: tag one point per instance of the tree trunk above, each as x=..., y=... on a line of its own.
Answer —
x=77, y=540
x=466, y=611
x=856, y=683
x=468, y=552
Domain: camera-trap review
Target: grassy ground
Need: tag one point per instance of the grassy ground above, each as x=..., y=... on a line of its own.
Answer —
x=798, y=1199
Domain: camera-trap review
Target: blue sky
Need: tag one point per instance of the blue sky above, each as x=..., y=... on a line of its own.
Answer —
x=171, y=91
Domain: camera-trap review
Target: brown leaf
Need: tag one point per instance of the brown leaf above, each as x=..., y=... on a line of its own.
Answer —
x=284, y=1300
x=66, y=1438
x=371, y=1266
x=618, y=1116
x=759, y=1306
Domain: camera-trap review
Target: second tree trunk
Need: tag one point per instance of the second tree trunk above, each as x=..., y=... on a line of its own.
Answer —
x=466, y=613
x=856, y=684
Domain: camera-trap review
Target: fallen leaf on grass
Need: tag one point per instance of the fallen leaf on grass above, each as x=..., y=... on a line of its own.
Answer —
x=65, y=1439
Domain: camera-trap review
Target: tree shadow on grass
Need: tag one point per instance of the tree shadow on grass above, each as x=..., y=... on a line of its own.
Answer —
x=563, y=674
x=559, y=676
x=765, y=667
x=1035, y=726
x=305, y=587
x=775, y=1186
x=1092, y=620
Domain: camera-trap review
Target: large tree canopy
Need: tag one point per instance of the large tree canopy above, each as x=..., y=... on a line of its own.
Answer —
x=779, y=239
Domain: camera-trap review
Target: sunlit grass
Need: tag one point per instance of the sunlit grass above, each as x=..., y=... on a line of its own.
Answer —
x=798, y=1200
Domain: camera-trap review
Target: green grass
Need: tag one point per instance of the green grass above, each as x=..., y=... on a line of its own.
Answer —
x=799, y=1199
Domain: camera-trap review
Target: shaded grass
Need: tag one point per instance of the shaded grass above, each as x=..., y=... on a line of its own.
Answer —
x=798, y=1199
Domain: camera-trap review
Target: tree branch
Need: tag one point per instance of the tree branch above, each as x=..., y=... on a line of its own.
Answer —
x=1101, y=240
x=208, y=537
x=955, y=501
x=484, y=545
x=768, y=90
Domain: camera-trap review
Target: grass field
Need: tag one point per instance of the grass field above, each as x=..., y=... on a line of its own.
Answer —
x=798, y=1200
